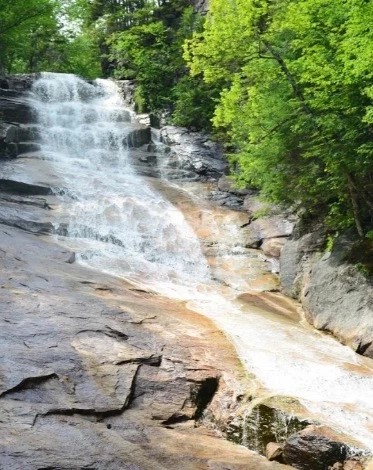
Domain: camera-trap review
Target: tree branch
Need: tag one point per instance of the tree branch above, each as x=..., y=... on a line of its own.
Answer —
x=296, y=88
x=27, y=16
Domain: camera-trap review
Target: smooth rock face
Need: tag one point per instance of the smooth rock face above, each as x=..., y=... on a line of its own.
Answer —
x=340, y=300
x=314, y=448
x=335, y=295
x=95, y=374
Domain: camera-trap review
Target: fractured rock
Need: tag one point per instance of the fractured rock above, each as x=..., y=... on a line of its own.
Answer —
x=314, y=448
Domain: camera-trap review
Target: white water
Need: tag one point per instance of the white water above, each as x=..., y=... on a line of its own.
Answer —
x=126, y=228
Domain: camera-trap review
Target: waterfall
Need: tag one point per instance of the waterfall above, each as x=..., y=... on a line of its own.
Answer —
x=128, y=228
x=118, y=223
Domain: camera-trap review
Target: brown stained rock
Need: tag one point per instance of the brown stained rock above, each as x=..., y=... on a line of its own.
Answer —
x=369, y=464
x=274, y=226
x=314, y=448
x=273, y=246
x=93, y=370
x=274, y=452
x=352, y=465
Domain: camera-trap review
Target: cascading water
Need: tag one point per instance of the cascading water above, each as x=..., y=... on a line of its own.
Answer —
x=128, y=228
x=120, y=224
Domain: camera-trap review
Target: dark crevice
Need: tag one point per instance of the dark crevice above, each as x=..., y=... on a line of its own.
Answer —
x=204, y=395
x=363, y=347
x=112, y=332
x=175, y=419
x=154, y=361
x=29, y=382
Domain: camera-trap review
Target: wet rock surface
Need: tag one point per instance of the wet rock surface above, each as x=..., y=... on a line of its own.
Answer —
x=194, y=155
x=95, y=373
x=13, y=105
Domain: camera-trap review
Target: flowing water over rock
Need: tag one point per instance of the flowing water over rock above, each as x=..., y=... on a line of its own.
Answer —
x=122, y=223
x=129, y=229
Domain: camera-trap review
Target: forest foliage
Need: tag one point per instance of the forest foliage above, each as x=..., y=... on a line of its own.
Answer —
x=286, y=84
x=295, y=103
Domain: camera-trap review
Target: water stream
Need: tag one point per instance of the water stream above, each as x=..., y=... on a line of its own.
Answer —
x=122, y=224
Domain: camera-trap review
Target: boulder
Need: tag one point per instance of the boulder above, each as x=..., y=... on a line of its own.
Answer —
x=314, y=448
x=273, y=246
x=274, y=452
x=276, y=226
x=194, y=153
x=137, y=136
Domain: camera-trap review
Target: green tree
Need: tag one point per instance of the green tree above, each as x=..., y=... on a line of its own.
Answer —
x=47, y=35
x=24, y=24
x=296, y=84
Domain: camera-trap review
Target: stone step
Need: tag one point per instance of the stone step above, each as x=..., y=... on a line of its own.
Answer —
x=19, y=133
x=32, y=218
x=25, y=147
x=14, y=108
x=21, y=187
x=137, y=136
x=147, y=171
x=28, y=176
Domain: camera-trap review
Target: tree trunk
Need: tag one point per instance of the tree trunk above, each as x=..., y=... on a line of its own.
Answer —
x=355, y=204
